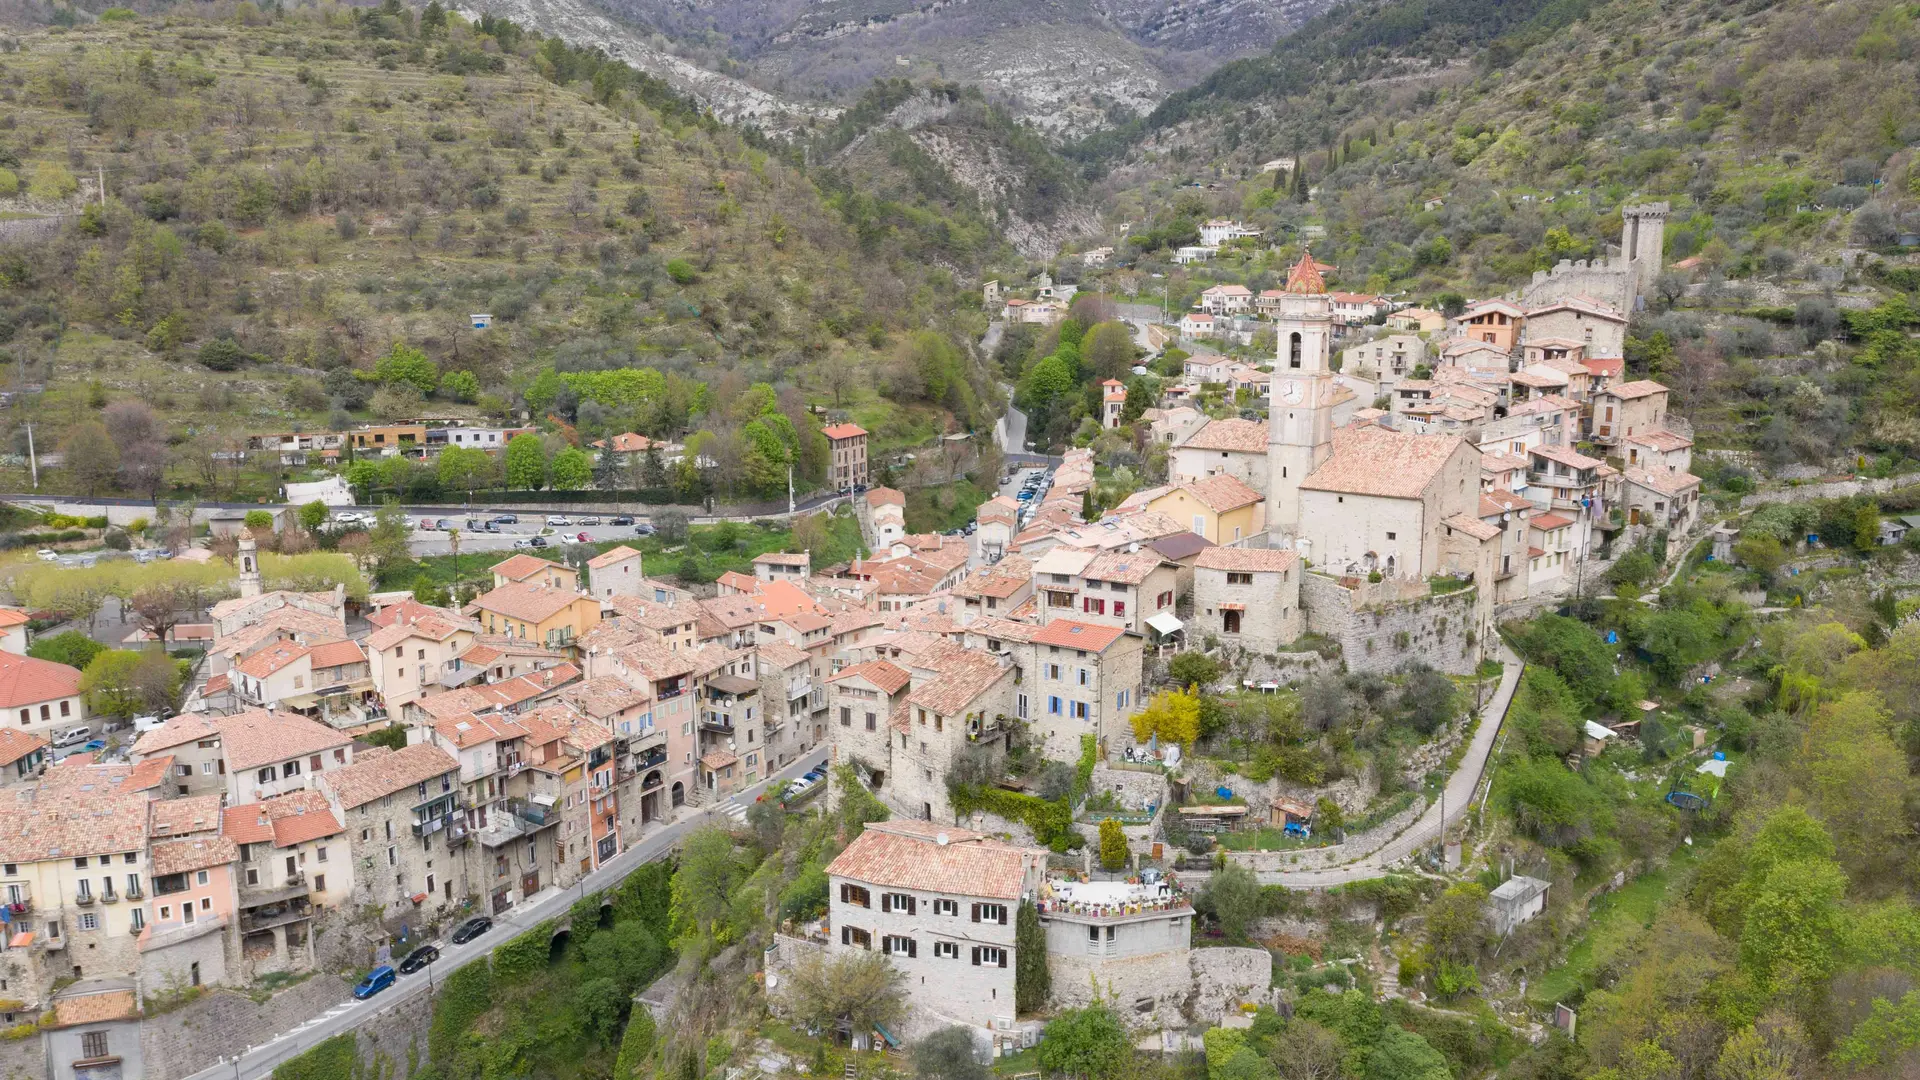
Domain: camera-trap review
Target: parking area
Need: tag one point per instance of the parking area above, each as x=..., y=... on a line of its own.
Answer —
x=490, y=530
x=1028, y=487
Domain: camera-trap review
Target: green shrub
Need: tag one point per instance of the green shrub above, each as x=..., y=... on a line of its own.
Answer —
x=682, y=272
x=334, y=1059
x=524, y=955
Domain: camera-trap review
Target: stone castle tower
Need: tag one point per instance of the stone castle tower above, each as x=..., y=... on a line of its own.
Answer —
x=1643, y=235
x=1300, y=402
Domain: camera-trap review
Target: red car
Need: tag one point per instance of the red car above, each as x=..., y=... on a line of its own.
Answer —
x=584, y=538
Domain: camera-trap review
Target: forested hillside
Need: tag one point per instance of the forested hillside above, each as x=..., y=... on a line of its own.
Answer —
x=303, y=209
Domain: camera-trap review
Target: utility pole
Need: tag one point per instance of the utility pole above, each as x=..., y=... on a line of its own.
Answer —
x=790, y=509
x=100, y=175
x=33, y=462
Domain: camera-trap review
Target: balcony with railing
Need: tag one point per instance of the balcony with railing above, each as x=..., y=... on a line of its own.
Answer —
x=18, y=899
x=515, y=819
x=294, y=887
x=267, y=916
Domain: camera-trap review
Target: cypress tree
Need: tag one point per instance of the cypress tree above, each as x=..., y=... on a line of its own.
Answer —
x=1031, y=983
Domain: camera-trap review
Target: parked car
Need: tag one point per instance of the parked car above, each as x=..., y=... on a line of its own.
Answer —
x=475, y=525
x=643, y=529
x=489, y=527
x=96, y=744
x=446, y=523
x=557, y=520
x=471, y=929
x=589, y=521
x=584, y=538
x=506, y=519
x=47, y=555
x=419, y=958
x=620, y=519
x=426, y=523
x=531, y=542
x=351, y=517
x=377, y=980
x=72, y=736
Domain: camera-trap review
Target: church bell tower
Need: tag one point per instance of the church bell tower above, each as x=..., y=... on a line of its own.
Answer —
x=1300, y=408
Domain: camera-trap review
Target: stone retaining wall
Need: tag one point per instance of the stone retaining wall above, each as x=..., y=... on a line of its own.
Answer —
x=1436, y=629
x=223, y=1023
x=1352, y=850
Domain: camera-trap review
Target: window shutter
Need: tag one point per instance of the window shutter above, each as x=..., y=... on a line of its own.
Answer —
x=886, y=944
x=913, y=906
x=886, y=902
x=913, y=950
x=846, y=932
x=843, y=895
x=1003, y=958
x=976, y=956
x=976, y=918
x=1003, y=919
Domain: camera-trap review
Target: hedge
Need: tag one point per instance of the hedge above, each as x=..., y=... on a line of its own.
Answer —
x=337, y=1058
x=1051, y=822
x=525, y=954
x=650, y=496
x=1083, y=776
x=19, y=540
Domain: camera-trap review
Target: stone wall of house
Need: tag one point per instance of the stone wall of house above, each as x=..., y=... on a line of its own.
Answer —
x=1285, y=668
x=1603, y=279
x=223, y=1023
x=23, y=1059
x=1387, y=635
x=1170, y=989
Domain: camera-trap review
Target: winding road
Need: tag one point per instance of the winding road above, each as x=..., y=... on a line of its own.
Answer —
x=260, y=1061
x=1461, y=791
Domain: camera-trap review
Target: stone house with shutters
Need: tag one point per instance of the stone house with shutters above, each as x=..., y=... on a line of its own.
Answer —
x=939, y=902
x=1248, y=597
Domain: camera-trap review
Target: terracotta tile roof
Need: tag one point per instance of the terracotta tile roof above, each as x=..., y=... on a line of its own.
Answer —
x=1069, y=634
x=1566, y=456
x=40, y=822
x=26, y=680
x=432, y=626
x=626, y=442
x=16, y=744
x=1580, y=304
x=271, y=659
x=97, y=1008
x=1659, y=439
x=1666, y=483
x=886, y=496
x=1000, y=509
x=1503, y=306
x=331, y=654
x=1001, y=580
x=1541, y=379
x=372, y=776
x=843, y=431
x=1223, y=492
x=1304, y=279
x=405, y=610
x=1502, y=502
x=1239, y=436
x=908, y=855
x=1501, y=462
x=499, y=695
x=885, y=675
x=523, y=566
x=611, y=556
x=238, y=604
x=961, y=676
x=185, y=728
x=12, y=617
x=283, y=622
x=779, y=655
x=527, y=602
x=1243, y=560
x=1640, y=388
x=192, y=853
x=1380, y=462
x=257, y=737
x=847, y=622
x=608, y=695
x=294, y=818
x=488, y=648
x=1605, y=365
x=192, y=814
x=1549, y=521
x=1472, y=526
x=82, y=772
x=1003, y=629
x=1178, y=546
x=718, y=759
x=667, y=618
x=1126, y=567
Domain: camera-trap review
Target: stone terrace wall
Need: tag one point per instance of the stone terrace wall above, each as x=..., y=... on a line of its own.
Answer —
x=1386, y=637
x=223, y=1023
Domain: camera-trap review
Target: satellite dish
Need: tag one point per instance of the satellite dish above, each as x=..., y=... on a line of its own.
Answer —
x=941, y=839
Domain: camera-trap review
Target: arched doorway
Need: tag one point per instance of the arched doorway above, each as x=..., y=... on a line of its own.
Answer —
x=679, y=793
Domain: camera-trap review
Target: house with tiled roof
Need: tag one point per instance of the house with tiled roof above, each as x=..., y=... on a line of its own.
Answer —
x=194, y=927
x=627, y=442
x=417, y=652
x=1553, y=544
x=328, y=681
x=847, y=463
x=72, y=854
x=1628, y=408
x=995, y=523
x=403, y=815
x=21, y=755
x=1249, y=597
x=543, y=614
x=883, y=517
x=995, y=589
x=1377, y=501
x=1598, y=327
x=294, y=863
x=864, y=701
x=617, y=572
x=1659, y=450
x=1568, y=482
x=526, y=569
x=1223, y=508
x=269, y=627
x=953, y=698
x=39, y=697
x=13, y=631
x=939, y=901
x=1660, y=499
x=1233, y=447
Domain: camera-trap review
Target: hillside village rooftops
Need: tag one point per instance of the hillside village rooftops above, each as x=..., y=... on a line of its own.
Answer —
x=844, y=431
x=1003, y=629
x=884, y=674
x=1380, y=462
x=960, y=676
x=521, y=567
x=27, y=680
x=285, y=820
x=1223, y=492
x=1659, y=440
x=200, y=852
x=16, y=744
x=1069, y=634
x=1565, y=455
x=912, y=855
x=193, y=814
x=500, y=695
x=1666, y=483
x=612, y=556
x=1472, y=526
x=525, y=602
x=37, y=824
x=1124, y=567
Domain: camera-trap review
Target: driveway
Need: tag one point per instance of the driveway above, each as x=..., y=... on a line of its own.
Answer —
x=259, y=1062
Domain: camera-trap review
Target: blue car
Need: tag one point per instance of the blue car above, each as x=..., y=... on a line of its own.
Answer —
x=1024, y=496
x=377, y=980
x=97, y=744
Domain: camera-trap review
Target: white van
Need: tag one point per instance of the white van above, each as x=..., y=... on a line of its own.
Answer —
x=72, y=736
x=144, y=724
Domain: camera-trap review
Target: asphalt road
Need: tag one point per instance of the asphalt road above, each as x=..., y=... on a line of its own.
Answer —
x=1461, y=790
x=260, y=1061
x=436, y=542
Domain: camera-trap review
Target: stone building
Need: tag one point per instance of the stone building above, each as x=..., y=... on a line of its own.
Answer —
x=939, y=902
x=1248, y=597
x=405, y=828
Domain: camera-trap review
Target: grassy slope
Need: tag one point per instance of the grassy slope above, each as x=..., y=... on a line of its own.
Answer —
x=557, y=214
